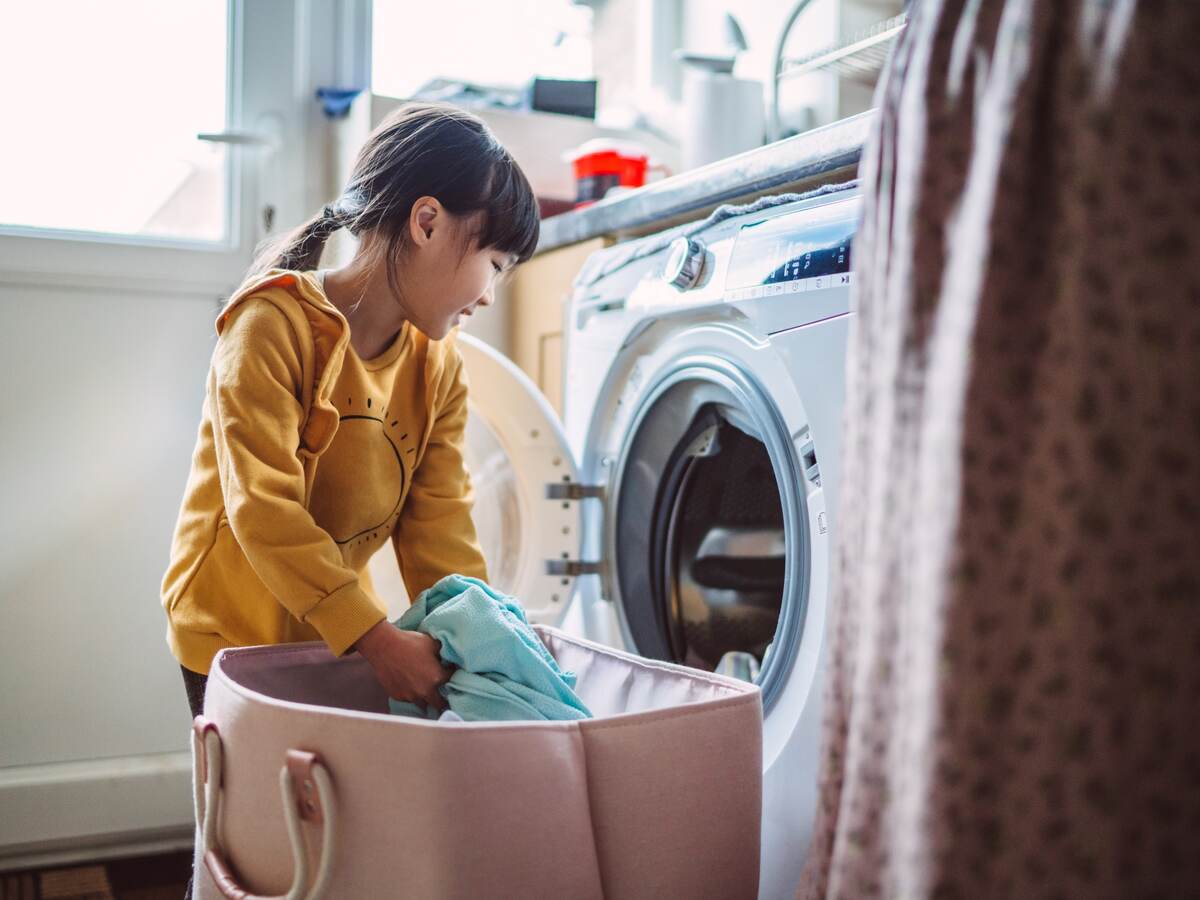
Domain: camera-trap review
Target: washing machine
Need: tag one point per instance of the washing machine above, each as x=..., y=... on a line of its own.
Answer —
x=685, y=506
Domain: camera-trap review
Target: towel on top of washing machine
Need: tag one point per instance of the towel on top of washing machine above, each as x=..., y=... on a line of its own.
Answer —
x=614, y=258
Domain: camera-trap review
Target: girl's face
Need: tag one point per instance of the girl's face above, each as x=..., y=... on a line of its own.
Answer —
x=446, y=276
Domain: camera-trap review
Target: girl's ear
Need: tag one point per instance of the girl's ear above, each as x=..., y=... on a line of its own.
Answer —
x=427, y=214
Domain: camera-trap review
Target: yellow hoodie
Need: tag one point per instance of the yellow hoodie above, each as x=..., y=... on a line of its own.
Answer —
x=280, y=515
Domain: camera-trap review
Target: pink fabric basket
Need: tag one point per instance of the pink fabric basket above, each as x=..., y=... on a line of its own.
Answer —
x=658, y=796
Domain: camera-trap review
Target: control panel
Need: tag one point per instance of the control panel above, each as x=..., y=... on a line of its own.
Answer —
x=791, y=253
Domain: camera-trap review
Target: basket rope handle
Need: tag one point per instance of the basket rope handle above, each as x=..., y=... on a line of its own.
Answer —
x=307, y=793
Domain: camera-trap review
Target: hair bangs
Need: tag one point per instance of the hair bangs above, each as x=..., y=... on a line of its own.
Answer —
x=512, y=216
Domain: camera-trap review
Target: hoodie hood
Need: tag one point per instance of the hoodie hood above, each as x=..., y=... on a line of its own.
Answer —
x=300, y=297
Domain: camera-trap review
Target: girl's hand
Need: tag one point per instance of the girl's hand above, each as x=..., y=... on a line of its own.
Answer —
x=407, y=663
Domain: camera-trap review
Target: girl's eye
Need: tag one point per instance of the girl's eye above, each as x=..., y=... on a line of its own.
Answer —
x=496, y=266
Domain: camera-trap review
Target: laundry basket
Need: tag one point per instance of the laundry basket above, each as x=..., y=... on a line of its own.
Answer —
x=658, y=796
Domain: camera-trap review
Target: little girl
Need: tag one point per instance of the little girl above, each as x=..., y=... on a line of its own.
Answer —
x=334, y=412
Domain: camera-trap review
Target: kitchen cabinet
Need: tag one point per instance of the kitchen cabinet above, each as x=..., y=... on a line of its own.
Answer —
x=535, y=298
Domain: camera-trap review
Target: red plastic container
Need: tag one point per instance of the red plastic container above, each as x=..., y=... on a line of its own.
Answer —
x=601, y=165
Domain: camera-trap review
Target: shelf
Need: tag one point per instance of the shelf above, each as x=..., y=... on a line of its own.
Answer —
x=860, y=58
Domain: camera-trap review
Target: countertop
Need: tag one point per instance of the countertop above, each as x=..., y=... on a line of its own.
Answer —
x=795, y=163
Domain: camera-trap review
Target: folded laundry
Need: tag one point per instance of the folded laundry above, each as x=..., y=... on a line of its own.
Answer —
x=504, y=672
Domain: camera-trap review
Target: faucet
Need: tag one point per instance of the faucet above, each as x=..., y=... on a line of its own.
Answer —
x=773, y=128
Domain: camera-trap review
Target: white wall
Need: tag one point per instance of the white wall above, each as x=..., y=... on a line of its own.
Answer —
x=100, y=412
x=102, y=392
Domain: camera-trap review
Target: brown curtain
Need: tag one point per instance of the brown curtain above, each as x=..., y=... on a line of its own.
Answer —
x=1013, y=699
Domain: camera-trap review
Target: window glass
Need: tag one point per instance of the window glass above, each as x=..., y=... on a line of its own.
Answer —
x=103, y=106
x=495, y=44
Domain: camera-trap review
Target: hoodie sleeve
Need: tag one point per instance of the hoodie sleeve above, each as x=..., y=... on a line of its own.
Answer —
x=257, y=418
x=435, y=536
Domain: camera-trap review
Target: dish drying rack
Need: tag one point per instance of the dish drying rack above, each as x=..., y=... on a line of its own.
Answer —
x=860, y=58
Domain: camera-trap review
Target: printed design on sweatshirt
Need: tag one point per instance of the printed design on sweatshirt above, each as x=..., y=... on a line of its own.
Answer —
x=362, y=477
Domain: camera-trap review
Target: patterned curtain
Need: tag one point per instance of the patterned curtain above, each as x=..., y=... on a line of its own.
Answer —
x=1014, y=691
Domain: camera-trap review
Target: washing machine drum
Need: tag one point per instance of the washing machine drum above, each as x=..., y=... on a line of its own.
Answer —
x=701, y=550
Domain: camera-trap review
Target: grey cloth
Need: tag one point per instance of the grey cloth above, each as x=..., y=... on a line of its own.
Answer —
x=1015, y=644
x=194, y=684
x=615, y=258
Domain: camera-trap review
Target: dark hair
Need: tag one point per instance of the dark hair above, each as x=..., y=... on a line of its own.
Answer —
x=421, y=149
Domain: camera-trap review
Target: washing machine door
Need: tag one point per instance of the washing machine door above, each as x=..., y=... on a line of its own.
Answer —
x=526, y=512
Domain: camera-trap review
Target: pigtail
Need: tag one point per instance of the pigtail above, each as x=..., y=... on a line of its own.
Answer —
x=300, y=249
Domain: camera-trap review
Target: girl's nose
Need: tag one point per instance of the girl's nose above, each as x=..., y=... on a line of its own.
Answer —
x=488, y=297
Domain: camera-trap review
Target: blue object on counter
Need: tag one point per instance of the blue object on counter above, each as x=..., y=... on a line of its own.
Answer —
x=504, y=671
x=337, y=101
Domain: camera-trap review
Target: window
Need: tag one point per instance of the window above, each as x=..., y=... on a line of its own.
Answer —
x=496, y=44
x=103, y=106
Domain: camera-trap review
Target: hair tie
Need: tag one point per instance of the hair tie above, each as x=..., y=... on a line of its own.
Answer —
x=329, y=222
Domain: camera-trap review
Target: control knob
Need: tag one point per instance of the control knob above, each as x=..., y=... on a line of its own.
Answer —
x=685, y=263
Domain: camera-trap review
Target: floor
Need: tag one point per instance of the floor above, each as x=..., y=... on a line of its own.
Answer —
x=159, y=877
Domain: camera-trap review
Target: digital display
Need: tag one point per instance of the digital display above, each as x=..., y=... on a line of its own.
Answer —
x=782, y=250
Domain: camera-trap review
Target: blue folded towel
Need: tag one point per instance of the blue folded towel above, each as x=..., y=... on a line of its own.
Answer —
x=504, y=671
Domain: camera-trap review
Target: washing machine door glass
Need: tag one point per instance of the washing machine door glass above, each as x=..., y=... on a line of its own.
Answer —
x=515, y=449
x=709, y=526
